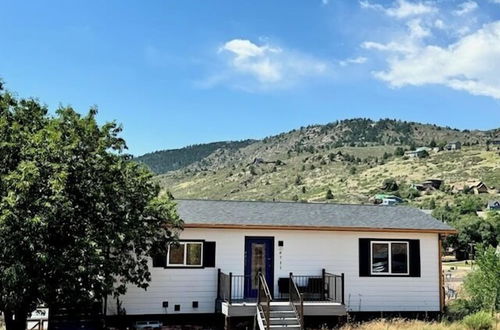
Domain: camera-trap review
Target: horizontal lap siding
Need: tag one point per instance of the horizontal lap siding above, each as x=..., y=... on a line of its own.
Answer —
x=304, y=253
x=178, y=287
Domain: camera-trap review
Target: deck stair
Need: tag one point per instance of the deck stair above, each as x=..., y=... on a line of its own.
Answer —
x=282, y=315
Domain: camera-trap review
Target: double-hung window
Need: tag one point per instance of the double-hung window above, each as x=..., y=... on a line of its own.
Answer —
x=185, y=254
x=389, y=258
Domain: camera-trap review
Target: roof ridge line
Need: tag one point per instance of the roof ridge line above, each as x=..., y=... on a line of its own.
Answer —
x=287, y=202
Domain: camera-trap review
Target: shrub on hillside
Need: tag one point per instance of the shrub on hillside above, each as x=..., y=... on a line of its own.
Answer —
x=479, y=321
x=412, y=193
x=458, y=309
x=329, y=194
x=399, y=151
x=390, y=184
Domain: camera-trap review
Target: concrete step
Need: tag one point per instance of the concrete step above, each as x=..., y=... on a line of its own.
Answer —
x=284, y=326
x=281, y=308
x=283, y=321
x=281, y=315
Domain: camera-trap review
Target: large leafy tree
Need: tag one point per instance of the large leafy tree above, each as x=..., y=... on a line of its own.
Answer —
x=78, y=218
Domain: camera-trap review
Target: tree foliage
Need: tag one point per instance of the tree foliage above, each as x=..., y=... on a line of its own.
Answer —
x=471, y=228
x=75, y=212
x=329, y=194
x=170, y=160
x=483, y=284
x=390, y=184
x=399, y=152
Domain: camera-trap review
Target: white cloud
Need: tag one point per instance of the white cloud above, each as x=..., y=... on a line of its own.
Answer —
x=251, y=66
x=439, y=24
x=325, y=2
x=417, y=30
x=495, y=1
x=465, y=8
x=255, y=60
x=469, y=64
x=398, y=47
x=355, y=60
x=463, y=30
x=402, y=8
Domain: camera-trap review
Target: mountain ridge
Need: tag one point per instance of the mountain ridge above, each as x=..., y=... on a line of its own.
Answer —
x=345, y=161
x=163, y=161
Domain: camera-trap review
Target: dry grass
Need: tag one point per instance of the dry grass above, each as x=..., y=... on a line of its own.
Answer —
x=403, y=324
x=393, y=324
x=318, y=174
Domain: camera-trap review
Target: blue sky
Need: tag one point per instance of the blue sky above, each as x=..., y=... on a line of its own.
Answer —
x=176, y=73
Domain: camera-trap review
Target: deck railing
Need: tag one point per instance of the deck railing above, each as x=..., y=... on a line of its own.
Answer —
x=231, y=287
x=224, y=286
x=324, y=287
x=296, y=300
x=334, y=287
x=311, y=287
x=264, y=299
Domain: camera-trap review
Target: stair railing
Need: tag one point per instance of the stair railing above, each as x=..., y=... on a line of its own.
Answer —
x=264, y=299
x=296, y=300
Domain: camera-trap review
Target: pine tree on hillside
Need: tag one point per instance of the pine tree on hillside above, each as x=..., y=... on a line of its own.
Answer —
x=329, y=194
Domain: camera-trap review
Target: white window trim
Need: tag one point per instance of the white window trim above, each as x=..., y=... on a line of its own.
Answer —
x=184, y=264
x=389, y=272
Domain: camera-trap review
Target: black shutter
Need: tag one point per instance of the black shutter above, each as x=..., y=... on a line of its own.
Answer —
x=209, y=254
x=364, y=257
x=160, y=260
x=414, y=245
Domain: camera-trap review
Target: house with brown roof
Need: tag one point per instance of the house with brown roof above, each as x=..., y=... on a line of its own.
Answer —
x=477, y=187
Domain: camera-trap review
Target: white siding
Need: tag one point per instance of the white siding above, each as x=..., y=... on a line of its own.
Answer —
x=304, y=253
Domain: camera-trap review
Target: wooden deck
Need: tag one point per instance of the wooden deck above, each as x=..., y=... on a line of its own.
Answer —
x=311, y=308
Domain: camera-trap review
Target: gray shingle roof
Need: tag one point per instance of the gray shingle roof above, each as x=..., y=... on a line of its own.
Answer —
x=249, y=213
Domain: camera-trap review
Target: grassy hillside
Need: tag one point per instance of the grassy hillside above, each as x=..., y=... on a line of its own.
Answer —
x=309, y=140
x=308, y=178
x=351, y=158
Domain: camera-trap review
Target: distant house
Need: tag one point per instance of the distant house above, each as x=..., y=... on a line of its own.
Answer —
x=495, y=142
x=418, y=153
x=411, y=154
x=478, y=187
x=434, y=183
x=454, y=145
x=390, y=199
x=418, y=186
x=428, y=185
x=493, y=205
x=422, y=149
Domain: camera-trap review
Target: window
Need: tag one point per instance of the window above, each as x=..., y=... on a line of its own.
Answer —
x=186, y=254
x=389, y=258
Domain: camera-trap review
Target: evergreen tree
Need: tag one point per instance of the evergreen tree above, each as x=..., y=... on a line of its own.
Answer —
x=329, y=194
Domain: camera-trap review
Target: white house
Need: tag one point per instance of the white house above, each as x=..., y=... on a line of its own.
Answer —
x=293, y=261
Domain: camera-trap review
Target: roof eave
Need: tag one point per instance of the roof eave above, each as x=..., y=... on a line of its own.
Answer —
x=320, y=228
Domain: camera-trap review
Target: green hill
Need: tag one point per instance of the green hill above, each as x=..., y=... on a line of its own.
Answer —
x=351, y=158
x=170, y=160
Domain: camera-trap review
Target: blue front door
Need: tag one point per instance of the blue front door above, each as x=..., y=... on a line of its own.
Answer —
x=259, y=256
